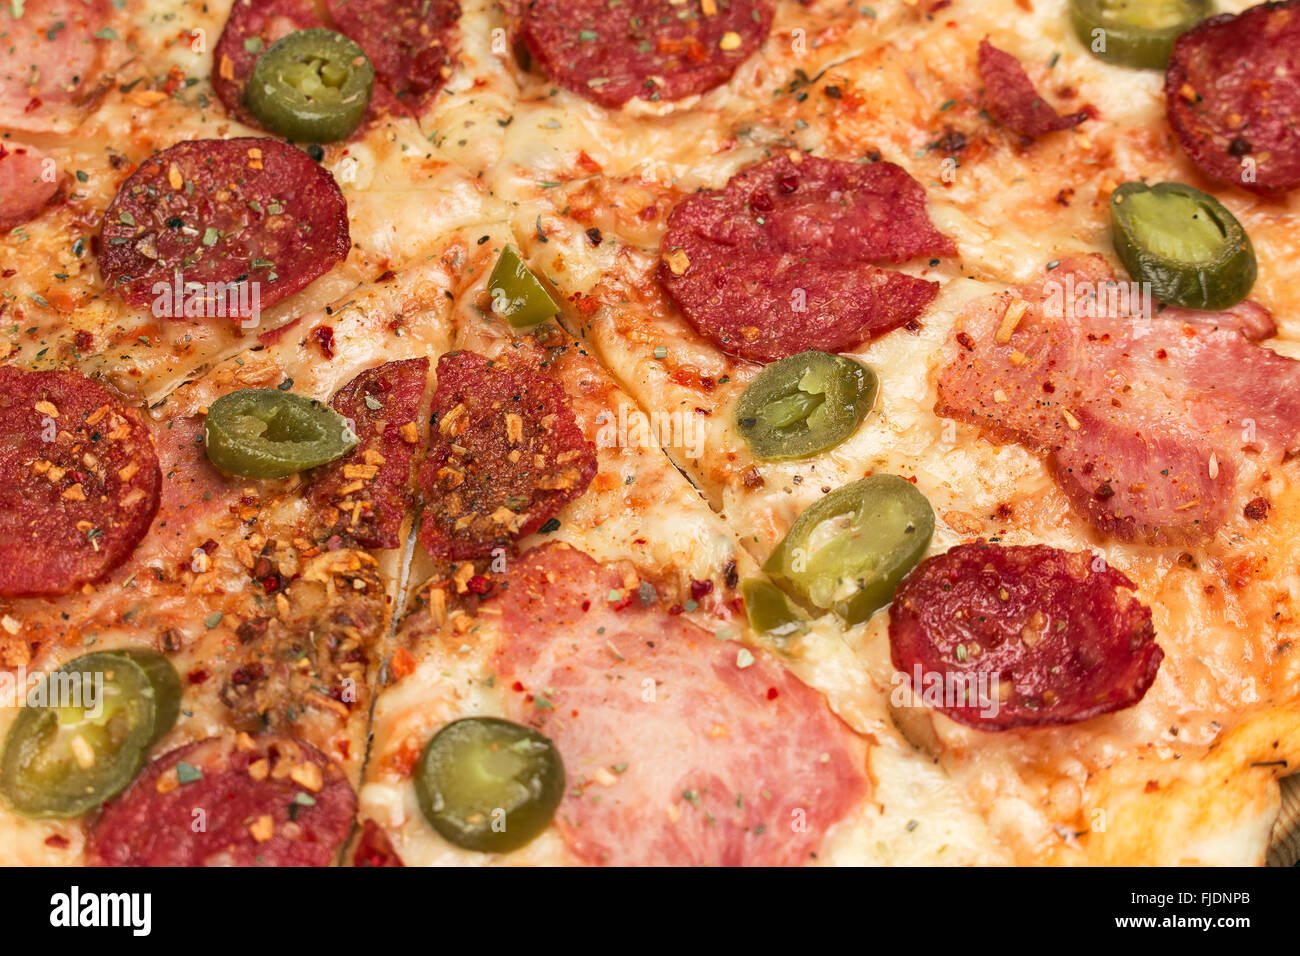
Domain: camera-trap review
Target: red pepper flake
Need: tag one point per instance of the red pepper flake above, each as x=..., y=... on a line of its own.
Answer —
x=517, y=686
x=676, y=609
x=198, y=676
x=773, y=693
x=479, y=584
x=56, y=841
x=700, y=588
x=1257, y=509
x=324, y=338
x=965, y=341
x=175, y=80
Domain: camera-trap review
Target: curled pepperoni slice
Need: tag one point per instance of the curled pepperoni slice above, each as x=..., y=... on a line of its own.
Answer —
x=1011, y=98
x=364, y=496
x=779, y=261
x=49, y=61
x=252, y=27
x=79, y=481
x=1001, y=637
x=648, y=49
x=408, y=42
x=222, y=212
x=1232, y=94
x=29, y=181
x=505, y=455
x=263, y=801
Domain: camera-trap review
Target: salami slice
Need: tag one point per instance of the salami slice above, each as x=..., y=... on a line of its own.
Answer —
x=264, y=801
x=680, y=749
x=220, y=213
x=1002, y=637
x=29, y=181
x=505, y=454
x=1011, y=99
x=779, y=261
x=1232, y=93
x=409, y=43
x=253, y=25
x=49, y=60
x=648, y=49
x=79, y=481
x=364, y=496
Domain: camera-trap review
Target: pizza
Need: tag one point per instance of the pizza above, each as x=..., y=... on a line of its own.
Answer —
x=647, y=432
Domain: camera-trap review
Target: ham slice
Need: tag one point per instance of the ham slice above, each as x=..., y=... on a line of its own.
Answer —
x=29, y=181
x=1145, y=421
x=680, y=749
x=49, y=61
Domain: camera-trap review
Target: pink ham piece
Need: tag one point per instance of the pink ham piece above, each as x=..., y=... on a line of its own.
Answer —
x=1249, y=318
x=1011, y=99
x=29, y=181
x=49, y=61
x=680, y=749
x=1145, y=422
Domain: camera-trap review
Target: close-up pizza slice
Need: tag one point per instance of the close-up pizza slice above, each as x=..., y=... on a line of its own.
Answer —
x=648, y=432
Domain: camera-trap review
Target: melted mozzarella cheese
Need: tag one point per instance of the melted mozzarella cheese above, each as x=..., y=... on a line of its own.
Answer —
x=1222, y=612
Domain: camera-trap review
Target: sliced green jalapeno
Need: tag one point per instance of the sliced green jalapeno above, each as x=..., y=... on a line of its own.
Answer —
x=1184, y=242
x=1136, y=33
x=166, y=685
x=81, y=738
x=804, y=404
x=267, y=433
x=848, y=552
x=311, y=86
x=488, y=784
x=767, y=607
x=517, y=295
